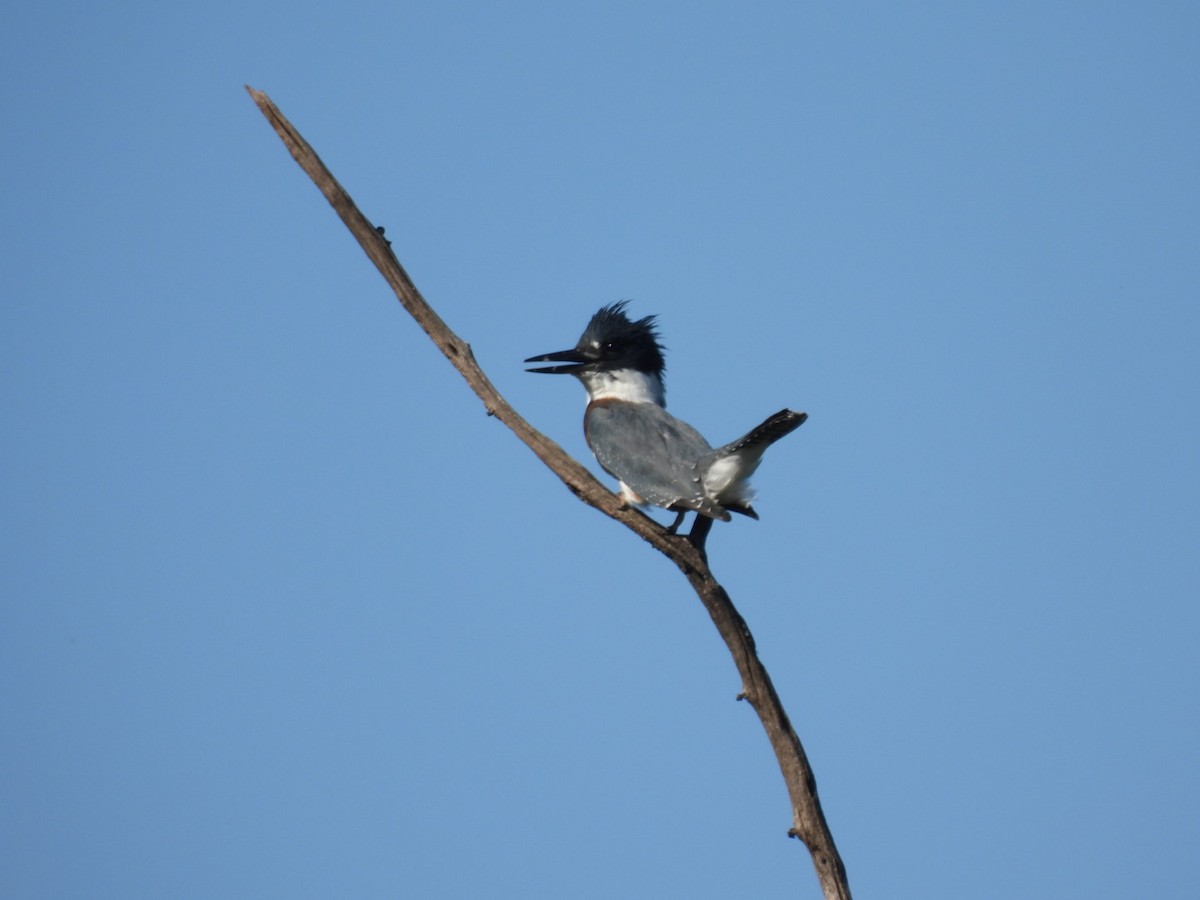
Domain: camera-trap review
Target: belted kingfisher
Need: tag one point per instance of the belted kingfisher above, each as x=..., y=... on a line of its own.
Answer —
x=657, y=458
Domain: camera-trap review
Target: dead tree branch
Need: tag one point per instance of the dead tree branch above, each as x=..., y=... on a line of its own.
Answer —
x=808, y=820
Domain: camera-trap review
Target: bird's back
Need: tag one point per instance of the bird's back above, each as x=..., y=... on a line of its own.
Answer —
x=652, y=452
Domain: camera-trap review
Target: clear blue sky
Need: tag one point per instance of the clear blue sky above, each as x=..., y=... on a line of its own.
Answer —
x=284, y=614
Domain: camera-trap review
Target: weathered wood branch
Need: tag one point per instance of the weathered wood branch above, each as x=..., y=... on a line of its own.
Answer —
x=808, y=819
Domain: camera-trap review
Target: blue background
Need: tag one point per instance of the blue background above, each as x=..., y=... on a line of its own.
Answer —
x=284, y=614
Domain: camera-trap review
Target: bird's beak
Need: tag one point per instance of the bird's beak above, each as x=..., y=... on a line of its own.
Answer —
x=577, y=359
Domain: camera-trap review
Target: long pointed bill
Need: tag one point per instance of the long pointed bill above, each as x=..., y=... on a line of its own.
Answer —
x=578, y=362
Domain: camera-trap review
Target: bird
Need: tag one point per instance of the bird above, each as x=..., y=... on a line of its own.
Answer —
x=656, y=458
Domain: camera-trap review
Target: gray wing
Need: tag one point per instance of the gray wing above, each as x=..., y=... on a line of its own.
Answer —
x=653, y=453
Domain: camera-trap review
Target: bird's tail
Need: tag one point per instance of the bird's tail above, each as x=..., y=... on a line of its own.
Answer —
x=725, y=472
x=763, y=436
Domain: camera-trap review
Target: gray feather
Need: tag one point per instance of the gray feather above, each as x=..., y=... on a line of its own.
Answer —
x=652, y=452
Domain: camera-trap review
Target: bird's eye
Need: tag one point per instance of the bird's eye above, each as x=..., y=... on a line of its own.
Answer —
x=610, y=345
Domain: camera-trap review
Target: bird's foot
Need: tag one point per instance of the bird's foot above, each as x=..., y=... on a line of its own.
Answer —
x=673, y=528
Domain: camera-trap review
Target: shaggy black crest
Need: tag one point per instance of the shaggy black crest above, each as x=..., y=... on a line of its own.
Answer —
x=619, y=337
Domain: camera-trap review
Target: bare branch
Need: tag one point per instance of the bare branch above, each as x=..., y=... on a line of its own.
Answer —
x=808, y=819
